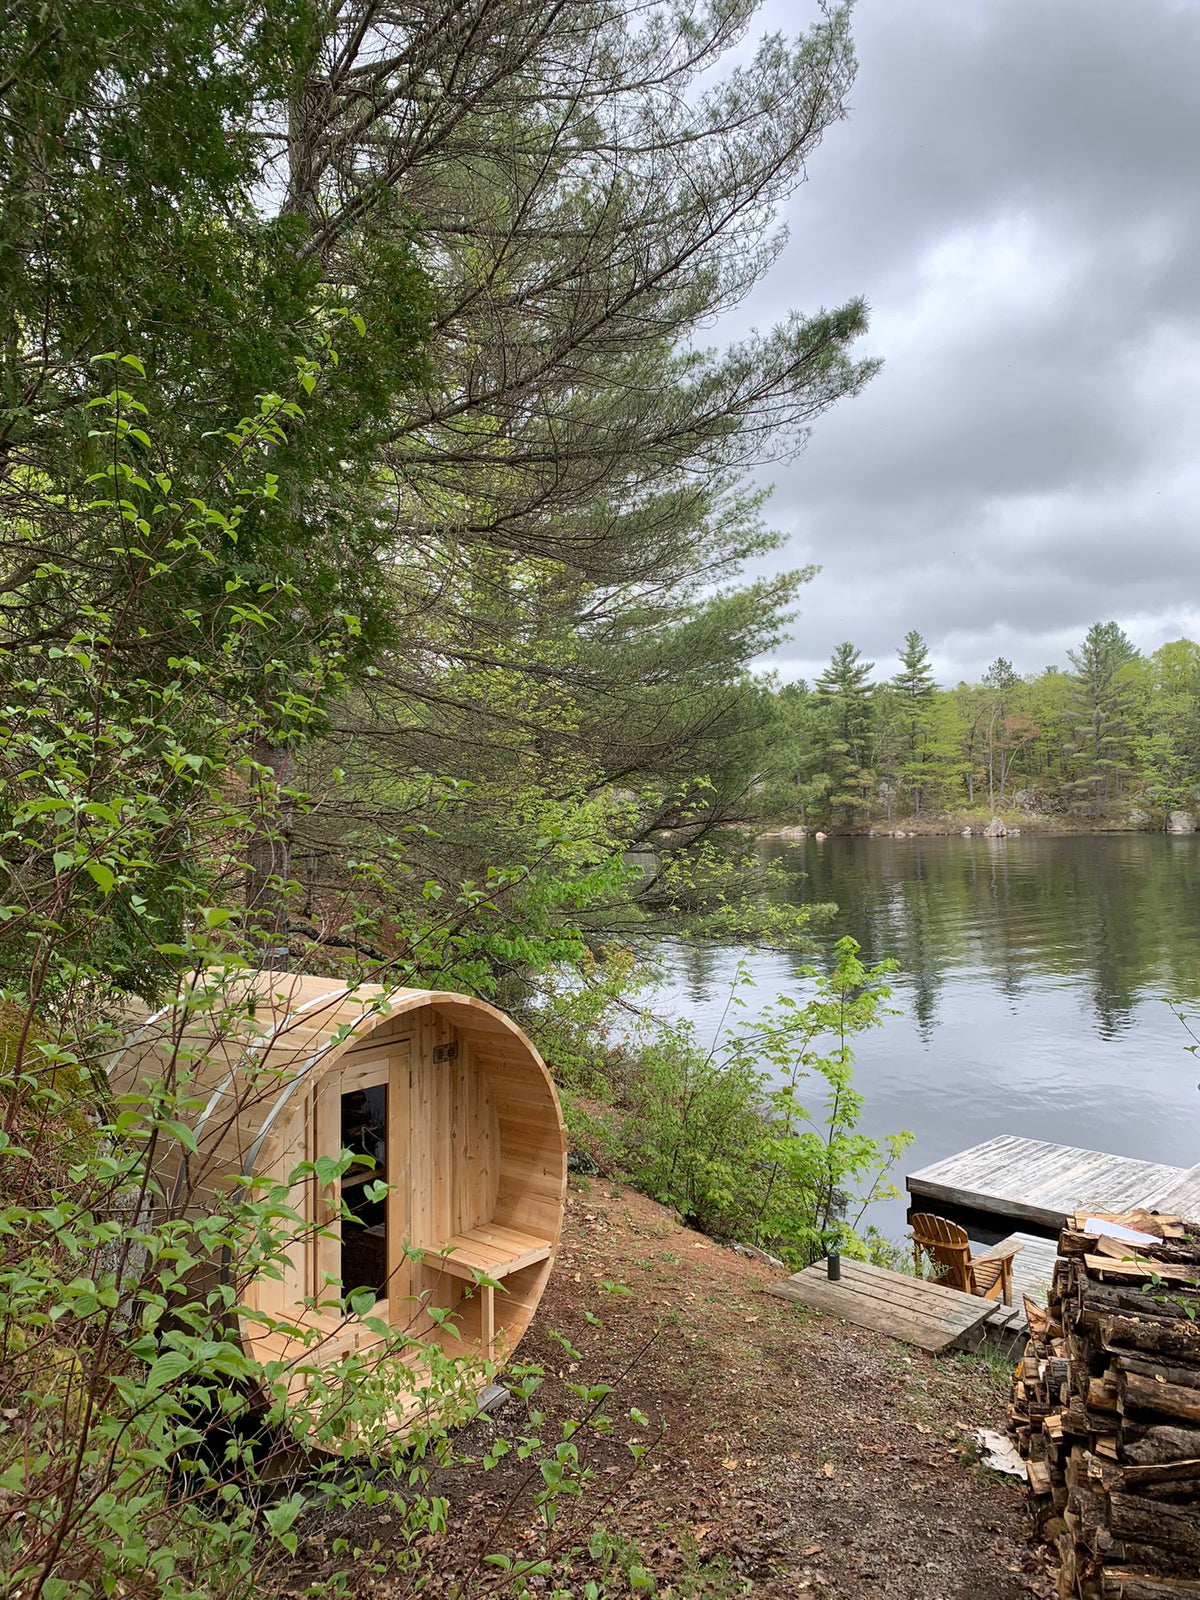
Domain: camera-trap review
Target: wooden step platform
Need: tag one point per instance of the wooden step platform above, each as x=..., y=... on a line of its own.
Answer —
x=1027, y=1180
x=921, y=1313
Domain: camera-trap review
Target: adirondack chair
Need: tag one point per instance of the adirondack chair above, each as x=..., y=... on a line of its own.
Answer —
x=947, y=1245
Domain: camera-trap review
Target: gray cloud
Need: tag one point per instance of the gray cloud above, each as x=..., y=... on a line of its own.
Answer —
x=1015, y=194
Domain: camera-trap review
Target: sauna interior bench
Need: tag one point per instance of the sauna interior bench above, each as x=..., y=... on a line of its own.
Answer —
x=491, y=1249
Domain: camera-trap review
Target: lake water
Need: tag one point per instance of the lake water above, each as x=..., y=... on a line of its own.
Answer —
x=1032, y=979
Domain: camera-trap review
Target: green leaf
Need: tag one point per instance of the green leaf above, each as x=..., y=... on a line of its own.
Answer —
x=168, y=1369
x=103, y=876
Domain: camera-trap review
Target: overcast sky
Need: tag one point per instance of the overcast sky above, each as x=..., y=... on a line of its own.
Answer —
x=1016, y=195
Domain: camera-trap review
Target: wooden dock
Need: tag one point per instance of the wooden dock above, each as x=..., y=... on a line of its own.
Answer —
x=1009, y=1179
x=1027, y=1180
x=921, y=1313
x=1181, y=1197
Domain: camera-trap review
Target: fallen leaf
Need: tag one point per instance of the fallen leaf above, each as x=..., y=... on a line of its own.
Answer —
x=827, y=1469
x=814, y=1550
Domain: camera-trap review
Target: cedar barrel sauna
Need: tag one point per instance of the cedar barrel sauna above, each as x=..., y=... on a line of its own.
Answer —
x=445, y=1094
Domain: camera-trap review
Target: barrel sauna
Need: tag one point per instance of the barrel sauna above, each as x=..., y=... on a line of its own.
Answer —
x=445, y=1095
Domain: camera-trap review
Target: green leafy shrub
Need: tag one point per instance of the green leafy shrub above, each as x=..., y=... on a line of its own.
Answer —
x=728, y=1136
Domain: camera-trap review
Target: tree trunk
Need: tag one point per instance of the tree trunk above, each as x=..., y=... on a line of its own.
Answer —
x=269, y=857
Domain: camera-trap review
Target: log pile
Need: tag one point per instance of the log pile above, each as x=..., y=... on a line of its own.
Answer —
x=1106, y=1410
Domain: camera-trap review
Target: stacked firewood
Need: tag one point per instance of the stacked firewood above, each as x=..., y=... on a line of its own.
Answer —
x=1106, y=1408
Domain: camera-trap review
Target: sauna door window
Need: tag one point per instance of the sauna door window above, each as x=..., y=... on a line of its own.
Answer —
x=360, y=1243
x=364, y=1263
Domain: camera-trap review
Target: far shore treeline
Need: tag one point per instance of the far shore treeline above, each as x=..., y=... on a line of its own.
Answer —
x=1112, y=739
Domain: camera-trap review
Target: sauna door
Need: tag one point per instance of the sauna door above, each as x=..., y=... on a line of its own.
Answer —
x=363, y=1107
x=422, y=1116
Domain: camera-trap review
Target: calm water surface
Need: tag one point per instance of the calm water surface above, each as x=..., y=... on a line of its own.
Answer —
x=1033, y=974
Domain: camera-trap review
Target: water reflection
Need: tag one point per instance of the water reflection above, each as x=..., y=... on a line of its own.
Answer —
x=1032, y=973
x=1118, y=913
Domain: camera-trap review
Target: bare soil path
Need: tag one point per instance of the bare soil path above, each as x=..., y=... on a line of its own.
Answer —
x=795, y=1453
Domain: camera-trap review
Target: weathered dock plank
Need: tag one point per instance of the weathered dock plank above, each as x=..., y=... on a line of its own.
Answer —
x=1032, y=1181
x=1181, y=1196
x=925, y=1314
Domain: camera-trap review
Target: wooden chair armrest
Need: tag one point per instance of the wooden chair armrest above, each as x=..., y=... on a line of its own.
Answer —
x=1001, y=1252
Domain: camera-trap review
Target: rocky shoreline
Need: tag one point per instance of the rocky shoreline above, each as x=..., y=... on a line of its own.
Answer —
x=1177, y=822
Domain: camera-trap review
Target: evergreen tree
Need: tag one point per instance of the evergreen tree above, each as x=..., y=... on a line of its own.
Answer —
x=590, y=192
x=1101, y=708
x=514, y=486
x=1069, y=739
x=1001, y=675
x=914, y=688
x=844, y=692
x=915, y=680
x=796, y=785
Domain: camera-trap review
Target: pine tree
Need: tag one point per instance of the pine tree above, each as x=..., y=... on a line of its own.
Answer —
x=915, y=679
x=524, y=472
x=914, y=688
x=1101, y=709
x=1001, y=675
x=844, y=689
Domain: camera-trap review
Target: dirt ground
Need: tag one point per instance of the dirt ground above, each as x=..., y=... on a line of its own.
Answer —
x=790, y=1452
